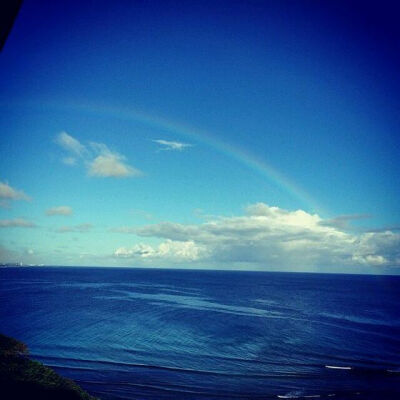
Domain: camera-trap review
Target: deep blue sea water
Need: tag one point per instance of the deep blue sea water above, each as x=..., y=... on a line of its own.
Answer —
x=202, y=335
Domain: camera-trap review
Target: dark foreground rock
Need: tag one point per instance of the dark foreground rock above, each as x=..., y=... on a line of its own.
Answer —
x=22, y=378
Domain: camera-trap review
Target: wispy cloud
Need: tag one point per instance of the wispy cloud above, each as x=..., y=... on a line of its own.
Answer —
x=16, y=223
x=343, y=221
x=98, y=159
x=8, y=193
x=172, y=145
x=69, y=161
x=71, y=144
x=265, y=236
x=60, y=210
x=81, y=228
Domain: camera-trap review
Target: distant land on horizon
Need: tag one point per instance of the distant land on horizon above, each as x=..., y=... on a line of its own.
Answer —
x=390, y=272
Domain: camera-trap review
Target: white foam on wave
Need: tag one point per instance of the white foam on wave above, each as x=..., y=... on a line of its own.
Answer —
x=292, y=396
x=336, y=367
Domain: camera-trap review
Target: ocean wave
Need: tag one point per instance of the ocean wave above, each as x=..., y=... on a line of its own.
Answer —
x=185, y=370
x=314, y=369
x=181, y=389
x=198, y=391
x=360, y=320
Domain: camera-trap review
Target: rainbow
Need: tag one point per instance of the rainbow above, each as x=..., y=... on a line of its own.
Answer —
x=242, y=156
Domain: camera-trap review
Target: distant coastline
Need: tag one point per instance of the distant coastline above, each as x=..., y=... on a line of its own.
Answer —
x=20, y=264
x=392, y=272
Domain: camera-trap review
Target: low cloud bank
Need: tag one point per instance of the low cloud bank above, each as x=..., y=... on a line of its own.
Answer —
x=264, y=236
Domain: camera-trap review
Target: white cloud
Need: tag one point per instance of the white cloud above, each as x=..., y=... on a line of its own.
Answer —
x=8, y=193
x=81, y=228
x=16, y=223
x=111, y=165
x=99, y=160
x=140, y=250
x=370, y=259
x=60, y=210
x=267, y=237
x=171, y=145
x=174, y=251
x=71, y=144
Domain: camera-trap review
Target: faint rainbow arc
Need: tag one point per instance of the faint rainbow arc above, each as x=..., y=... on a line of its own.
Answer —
x=243, y=157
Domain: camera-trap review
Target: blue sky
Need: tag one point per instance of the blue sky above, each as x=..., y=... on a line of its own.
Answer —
x=247, y=134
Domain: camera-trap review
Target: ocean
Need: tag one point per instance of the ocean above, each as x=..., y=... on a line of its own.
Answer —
x=154, y=334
